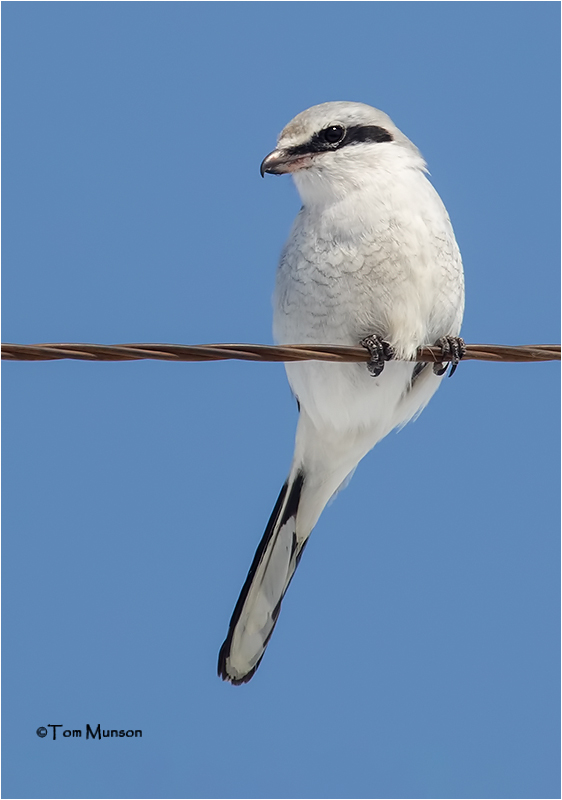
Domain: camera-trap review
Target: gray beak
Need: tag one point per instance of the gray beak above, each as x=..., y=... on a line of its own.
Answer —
x=272, y=163
x=280, y=161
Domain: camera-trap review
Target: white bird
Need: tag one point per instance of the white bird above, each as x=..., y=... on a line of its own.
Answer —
x=371, y=259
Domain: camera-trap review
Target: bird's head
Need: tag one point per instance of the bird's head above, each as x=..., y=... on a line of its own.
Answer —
x=333, y=148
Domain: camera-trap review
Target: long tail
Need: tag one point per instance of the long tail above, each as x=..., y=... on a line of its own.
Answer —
x=258, y=606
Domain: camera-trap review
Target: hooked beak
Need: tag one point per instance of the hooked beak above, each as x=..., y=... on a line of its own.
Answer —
x=281, y=161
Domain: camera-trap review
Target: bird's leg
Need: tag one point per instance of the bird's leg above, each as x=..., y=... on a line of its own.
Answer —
x=379, y=350
x=453, y=349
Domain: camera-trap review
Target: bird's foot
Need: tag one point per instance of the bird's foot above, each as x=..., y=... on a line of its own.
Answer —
x=453, y=349
x=379, y=350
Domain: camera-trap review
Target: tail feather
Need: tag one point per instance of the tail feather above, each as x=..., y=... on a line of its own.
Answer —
x=259, y=604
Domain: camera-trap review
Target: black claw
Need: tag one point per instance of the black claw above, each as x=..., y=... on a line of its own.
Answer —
x=453, y=349
x=380, y=351
x=453, y=368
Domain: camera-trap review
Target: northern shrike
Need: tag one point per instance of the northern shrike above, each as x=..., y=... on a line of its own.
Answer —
x=371, y=259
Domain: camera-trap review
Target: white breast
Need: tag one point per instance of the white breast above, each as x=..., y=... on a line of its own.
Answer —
x=368, y=265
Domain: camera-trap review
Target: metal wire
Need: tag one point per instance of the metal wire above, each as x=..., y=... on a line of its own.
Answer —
x=259, y=352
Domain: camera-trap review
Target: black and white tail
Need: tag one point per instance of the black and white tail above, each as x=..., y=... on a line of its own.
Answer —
x=258, y=606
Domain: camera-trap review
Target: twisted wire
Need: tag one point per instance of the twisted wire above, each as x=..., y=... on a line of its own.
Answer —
x=259, y=352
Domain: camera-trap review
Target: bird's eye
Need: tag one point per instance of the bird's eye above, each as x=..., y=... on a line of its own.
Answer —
x=333, y=135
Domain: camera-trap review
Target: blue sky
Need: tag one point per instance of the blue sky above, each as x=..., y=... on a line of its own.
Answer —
x=417, y=654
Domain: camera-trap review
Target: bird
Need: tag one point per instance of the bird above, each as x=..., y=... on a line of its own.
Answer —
x=371, y=259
